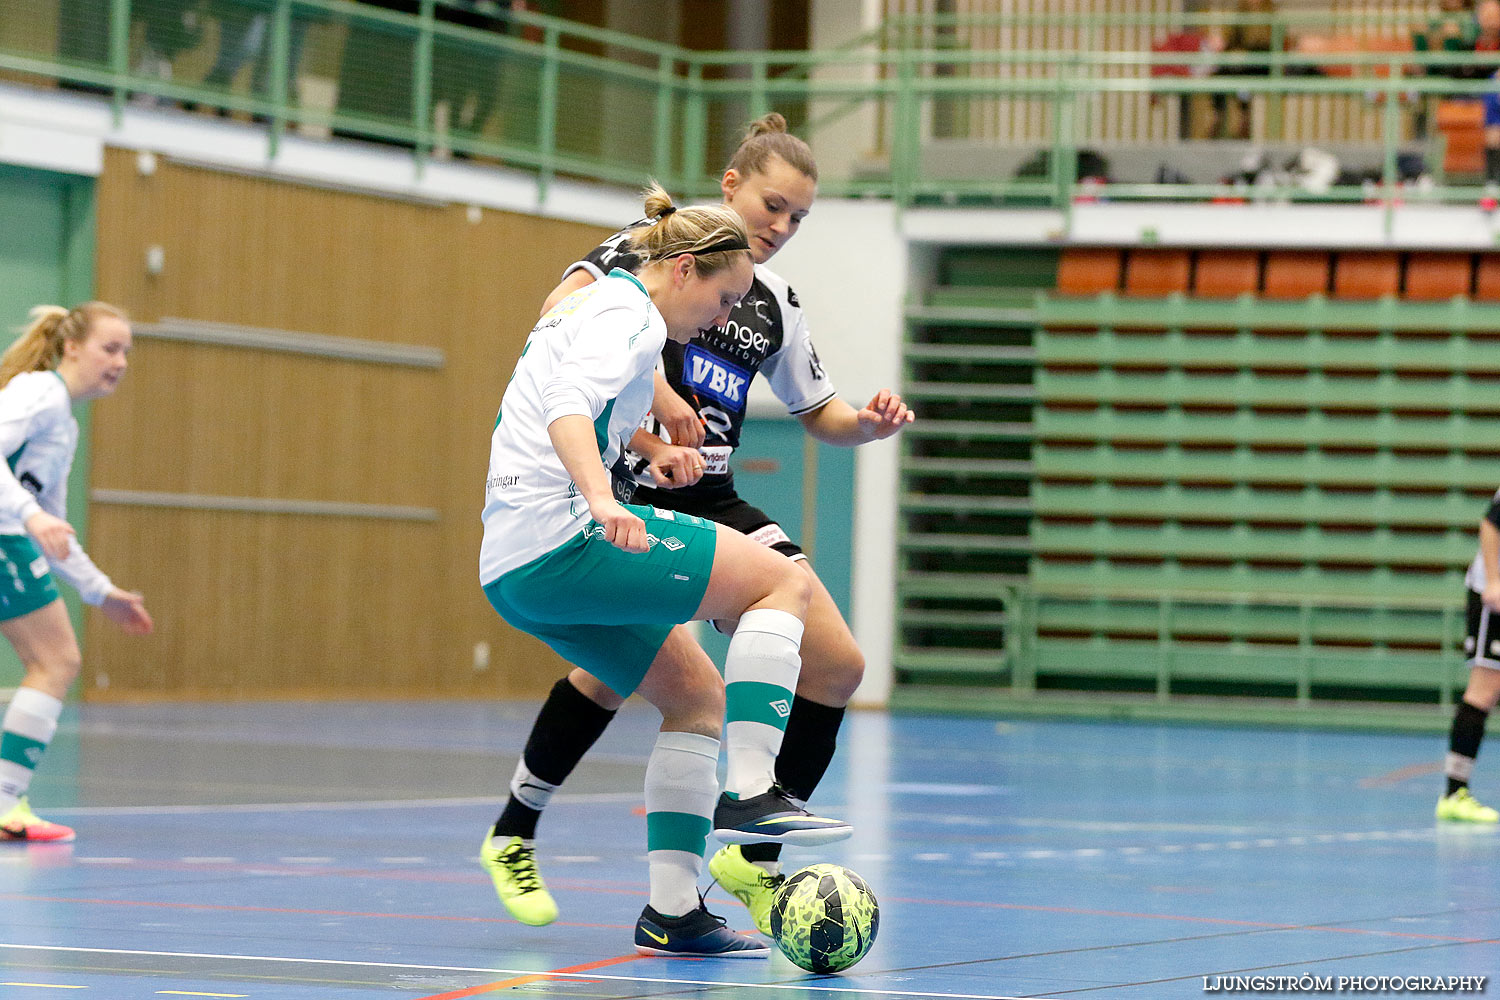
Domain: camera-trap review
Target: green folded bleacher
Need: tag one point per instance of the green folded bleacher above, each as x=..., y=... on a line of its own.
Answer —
x=1268, y=494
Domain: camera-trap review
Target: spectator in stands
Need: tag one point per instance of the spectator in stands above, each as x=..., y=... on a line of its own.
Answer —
x=466, y=74
x=171, y=28
x=245, y=34
x=1257, y=39
x=1487, y=40
x=1192, y=120
x=1454, y=29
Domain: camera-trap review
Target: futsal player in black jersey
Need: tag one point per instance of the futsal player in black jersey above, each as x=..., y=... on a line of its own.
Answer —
x=1482, y=644
x=699, y=409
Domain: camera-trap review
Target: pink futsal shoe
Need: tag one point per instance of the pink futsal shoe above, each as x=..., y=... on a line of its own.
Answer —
x=23, y=824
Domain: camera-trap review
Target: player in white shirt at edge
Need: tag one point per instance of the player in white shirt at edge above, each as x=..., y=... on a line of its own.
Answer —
x=604, y=583
x=63, y=356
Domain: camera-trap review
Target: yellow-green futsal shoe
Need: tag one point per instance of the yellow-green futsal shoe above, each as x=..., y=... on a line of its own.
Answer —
x=748, y=882
x=512, y=866
x=1461, y=807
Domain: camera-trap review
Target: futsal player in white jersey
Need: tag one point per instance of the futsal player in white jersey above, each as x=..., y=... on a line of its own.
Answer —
x=64, y=356
x=1482, y=644
x=700, y=402
x=604, y=583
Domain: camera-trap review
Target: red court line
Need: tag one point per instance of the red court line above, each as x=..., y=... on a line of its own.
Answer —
x=474, y=991
x=229, y=908
x=1401, y=774
x=1078, y=911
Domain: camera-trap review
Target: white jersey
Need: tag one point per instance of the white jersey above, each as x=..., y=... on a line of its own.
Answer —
x=592, y=354
x=1474, y=578
x=38, y=437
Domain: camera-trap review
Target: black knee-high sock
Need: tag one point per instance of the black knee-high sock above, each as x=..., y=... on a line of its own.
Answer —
x=566, y=727
x=1492, y=165
x=1463, y=745
x=812, y=734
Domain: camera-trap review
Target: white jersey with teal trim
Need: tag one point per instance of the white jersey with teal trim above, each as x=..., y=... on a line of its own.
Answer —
x=592, y=354
x=38, y=437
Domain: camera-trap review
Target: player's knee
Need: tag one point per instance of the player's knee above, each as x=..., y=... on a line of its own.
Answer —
x=1483, y=690
x=702, y=699
x=56, y=670
x=832, y=679
x=793, y=588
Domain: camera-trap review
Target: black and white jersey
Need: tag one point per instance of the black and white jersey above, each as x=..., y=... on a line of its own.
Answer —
x=1474, y=578
x=766, y=334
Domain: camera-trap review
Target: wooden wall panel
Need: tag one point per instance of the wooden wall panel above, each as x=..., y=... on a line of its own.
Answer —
x=264, y=604
x=236, y=422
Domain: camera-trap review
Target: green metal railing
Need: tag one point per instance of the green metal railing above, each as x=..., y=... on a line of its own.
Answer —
x=566, y=99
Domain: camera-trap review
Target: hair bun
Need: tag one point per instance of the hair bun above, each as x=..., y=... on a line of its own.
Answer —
x=769, y=122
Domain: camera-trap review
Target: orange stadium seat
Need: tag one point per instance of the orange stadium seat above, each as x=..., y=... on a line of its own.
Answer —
x=1088, y=271
x=1295, y=274
x=1366, y=274
x=1223, y=274
x=1462, y=126
x=1438, y=276
x=1153, y=273
x=1487, y=278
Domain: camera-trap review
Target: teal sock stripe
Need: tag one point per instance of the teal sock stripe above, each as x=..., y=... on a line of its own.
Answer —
x=23, y=750
x=757, y=701
x=673, y=831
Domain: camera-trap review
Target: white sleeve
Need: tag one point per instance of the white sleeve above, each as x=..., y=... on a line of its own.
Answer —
x=79, y=572
x=794, y=372
x=22, y=412
x=611, y=350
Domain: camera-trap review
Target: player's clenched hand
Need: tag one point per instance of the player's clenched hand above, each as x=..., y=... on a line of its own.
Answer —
x=884, y=415
x=677, y=416
x=622, y=529
x=53, y=535
x=672, y=467
x=1491, y=596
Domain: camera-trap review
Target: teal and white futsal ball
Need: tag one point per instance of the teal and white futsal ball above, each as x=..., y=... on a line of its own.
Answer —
x=824, y=918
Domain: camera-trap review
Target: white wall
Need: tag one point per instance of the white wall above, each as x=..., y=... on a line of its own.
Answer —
x=848, y=266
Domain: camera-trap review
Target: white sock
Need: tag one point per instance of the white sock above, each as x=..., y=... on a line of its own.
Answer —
x=29, y=725
x=760, y=676
x=682, y=787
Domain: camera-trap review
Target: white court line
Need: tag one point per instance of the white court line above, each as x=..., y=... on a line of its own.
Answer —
x=516, y=972
x=352, y=805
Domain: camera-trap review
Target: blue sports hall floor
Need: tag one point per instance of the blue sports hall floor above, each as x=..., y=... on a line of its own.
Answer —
x=329, y=851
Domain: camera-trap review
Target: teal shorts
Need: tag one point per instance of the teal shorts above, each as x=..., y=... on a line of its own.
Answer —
x=607, y=610
x=25, y=581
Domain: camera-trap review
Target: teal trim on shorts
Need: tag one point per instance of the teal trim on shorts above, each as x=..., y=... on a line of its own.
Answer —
x=25, y=580
x=607, y=610
x=22, y=750
x=757, y=701
x=675, y=831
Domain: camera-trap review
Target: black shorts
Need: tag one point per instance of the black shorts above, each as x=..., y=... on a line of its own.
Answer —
x=1482, y=638
x=725, y=506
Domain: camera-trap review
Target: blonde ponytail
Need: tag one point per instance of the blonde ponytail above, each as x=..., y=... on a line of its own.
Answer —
x=712, y=234
x=40, y=346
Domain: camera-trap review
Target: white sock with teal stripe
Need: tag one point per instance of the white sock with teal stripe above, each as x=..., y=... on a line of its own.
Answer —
x=682, y=786
x=760, y=676
x=30, y=722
